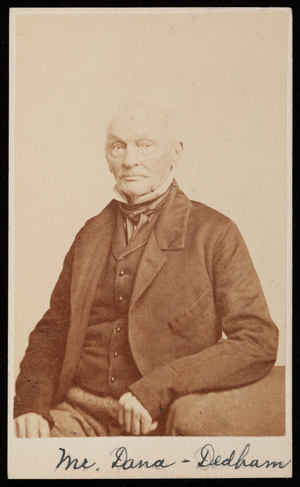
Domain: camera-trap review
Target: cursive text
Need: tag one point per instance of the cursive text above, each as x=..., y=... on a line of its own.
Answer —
x=208, y=458
x=122, y=461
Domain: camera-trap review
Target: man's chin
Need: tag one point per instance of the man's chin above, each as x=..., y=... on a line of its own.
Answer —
x=135, y=188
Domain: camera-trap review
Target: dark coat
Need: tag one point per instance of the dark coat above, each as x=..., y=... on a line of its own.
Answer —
x=195, y=280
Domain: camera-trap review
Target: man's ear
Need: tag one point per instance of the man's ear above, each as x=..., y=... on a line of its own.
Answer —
x=178, y=150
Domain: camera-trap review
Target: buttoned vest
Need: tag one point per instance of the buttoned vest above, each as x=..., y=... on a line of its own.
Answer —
x=106, y=366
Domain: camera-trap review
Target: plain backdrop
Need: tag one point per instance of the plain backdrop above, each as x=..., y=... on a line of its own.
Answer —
x=225, y=73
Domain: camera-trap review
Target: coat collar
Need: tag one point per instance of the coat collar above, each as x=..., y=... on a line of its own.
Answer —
x=171, y=225
x=169, y=234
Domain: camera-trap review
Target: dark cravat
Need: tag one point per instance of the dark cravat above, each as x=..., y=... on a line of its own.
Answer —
x=137, y=216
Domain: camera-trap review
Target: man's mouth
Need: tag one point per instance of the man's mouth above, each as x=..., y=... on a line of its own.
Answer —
x=132, y=178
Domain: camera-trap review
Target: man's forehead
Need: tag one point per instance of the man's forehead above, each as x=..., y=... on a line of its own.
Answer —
x=139, y=121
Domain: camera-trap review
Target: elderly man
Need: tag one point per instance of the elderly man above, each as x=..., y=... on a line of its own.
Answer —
x=137, y=315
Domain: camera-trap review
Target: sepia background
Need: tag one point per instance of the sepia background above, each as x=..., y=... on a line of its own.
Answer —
x=225, y=73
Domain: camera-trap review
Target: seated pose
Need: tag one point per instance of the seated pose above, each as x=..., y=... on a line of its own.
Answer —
x=146, y=290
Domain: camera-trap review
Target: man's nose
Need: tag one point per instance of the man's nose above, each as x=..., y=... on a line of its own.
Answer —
x=131, y=156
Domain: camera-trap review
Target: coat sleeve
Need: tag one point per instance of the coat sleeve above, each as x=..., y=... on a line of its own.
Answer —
x=40, y=367
x=248, y=352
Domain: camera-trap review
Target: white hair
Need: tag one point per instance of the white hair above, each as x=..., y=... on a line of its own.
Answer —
x=169, y=119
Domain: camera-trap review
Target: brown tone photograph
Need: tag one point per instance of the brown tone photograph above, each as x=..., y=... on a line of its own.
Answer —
x=136, y=318
x=149, y=232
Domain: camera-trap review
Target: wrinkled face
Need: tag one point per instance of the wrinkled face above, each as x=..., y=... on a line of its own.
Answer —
x=140, y=150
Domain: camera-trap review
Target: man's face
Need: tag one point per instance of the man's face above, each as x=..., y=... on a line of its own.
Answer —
x=140, y=151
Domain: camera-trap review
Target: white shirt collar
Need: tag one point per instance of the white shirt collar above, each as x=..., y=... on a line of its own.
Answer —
x=118, y=195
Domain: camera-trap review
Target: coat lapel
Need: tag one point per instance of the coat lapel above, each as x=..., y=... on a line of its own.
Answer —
x=90, y=257
x=151, y=263
x=93, y=246
x=168, y=234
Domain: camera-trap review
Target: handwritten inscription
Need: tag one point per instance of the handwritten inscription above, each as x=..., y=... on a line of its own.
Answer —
x=75, y=462
x=122, y=461
x=208, y=458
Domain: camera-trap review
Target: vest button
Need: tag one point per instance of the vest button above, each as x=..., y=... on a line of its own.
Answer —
x=120, y=298
x=112, y=379
x=118, y=329
x=122, y=273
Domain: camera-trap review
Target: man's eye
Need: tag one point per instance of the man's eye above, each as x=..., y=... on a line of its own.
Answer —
x=117, y=148
x=145, y=143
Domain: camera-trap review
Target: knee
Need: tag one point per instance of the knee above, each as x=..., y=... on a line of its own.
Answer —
x=235, y=412
x=190, y=416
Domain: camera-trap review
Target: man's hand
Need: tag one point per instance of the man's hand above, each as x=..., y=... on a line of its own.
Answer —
x=133, y=417
x=31, y=425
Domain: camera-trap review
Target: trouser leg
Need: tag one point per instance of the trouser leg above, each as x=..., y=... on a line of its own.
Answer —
x=75, y=422
x=83, y=414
